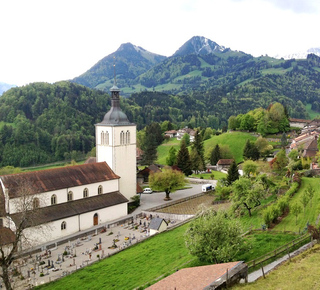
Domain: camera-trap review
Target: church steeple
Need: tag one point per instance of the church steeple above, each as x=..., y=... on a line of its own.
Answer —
x=115, y=115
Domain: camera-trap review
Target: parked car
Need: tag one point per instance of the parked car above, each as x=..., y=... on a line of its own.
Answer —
x=147, y=190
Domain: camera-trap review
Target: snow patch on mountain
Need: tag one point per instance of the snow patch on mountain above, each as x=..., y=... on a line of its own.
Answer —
x=299, y=54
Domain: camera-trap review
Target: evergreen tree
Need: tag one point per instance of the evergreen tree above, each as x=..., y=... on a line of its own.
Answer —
x=215, y=155
x=183, y=159
x=196, y=161
x=197, y=146
x=251, y=151
x=233, y=173
x=172, y=157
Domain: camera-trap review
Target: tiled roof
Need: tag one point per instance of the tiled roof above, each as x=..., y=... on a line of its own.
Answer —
x=72, y=208
x=225, y=162
x=193, y=278
x=58, y=178
x=299, y=120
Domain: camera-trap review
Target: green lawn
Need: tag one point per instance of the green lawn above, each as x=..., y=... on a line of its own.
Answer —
x=217, y=175
x=302, y=272
x=312, y=114
x=143, y=264
x=134, y=267
x=235, y=140
x=163, y=150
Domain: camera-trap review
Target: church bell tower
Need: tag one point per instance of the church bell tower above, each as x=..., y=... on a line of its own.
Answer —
x=116, y=144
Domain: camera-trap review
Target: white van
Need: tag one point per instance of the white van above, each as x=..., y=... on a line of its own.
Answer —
x=207, y=187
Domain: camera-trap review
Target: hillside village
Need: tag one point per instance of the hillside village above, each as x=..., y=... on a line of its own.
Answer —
x=55, y=204
x=205, y=174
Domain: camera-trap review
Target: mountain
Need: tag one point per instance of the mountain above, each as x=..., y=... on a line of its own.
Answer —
x=4, y=87
x=198, y=45
x=301, y=54
x=130, y=61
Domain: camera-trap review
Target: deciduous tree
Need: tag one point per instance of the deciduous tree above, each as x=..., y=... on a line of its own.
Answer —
x=168, y=180
x=214, y=237
x=15, y=225
x=247, y=193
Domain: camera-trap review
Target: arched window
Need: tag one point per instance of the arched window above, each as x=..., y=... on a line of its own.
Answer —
x=63, y=225
x=128, y=137
x=102, y=138
x=70, y=195
x=53, y=199
x=107, y=138
x=85, y=192
x=100, y=189
x=36, y=203
x=121, y=138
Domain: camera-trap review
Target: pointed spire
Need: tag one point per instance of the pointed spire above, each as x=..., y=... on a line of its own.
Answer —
x=114, y=87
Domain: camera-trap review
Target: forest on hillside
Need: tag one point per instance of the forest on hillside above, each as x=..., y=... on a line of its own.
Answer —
x=42, y=123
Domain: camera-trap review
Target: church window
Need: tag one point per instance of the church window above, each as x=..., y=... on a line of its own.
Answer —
x=85, y=192
x=36, y=203
x=121, y=138
x=63, y=225
x=53, y=199
x=102, y=138
x=107, y=138
x=100, y=189
x=128, y=137
x=70, y=195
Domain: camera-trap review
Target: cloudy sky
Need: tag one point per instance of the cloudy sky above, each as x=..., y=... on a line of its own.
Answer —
x=46, y=40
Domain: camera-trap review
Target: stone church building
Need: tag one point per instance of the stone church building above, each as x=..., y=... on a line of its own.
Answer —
x=70, y=199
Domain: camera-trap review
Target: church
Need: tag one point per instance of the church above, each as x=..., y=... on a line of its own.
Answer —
x=66, y=200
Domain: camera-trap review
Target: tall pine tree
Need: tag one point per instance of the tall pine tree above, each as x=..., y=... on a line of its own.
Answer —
x=215, y=155
x=233, y=173
x=183, y=159
x=197, y=146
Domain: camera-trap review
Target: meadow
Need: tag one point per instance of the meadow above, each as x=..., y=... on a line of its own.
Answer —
x=234, y=140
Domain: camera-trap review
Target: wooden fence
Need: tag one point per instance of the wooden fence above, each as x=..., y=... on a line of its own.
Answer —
x=283, y=249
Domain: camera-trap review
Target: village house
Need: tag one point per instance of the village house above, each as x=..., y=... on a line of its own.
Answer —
x=224, y=164
x=188, y=131
x=171, y=133
x=307, y=143
x=298, y=123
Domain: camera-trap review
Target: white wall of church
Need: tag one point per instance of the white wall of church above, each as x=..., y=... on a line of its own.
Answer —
x=62, y=194
x=53, y=230
x=120, y=154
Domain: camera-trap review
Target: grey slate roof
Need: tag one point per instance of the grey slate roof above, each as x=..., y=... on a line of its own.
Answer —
x=72, y=208
x=156, y=223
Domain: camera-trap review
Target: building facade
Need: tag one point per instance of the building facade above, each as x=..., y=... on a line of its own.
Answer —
x=59, y=202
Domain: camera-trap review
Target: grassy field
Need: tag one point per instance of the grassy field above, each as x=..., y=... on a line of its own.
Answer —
x=143, y=264
x=163, y=150
x=312, y=114
x=301, y=273
x=235, y=140
x=217, y=175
